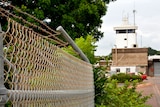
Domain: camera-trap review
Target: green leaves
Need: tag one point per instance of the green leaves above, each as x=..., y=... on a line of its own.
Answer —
x=86, y=45
x=110, y=93
x=78, y=17
x=99, y=83
x=153, y=51
x=44, y=3
x=123, y=96
x=122, y=77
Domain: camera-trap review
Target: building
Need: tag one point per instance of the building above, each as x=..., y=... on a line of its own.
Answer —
x=126, y=55
x=154, y=65
x=126, y=36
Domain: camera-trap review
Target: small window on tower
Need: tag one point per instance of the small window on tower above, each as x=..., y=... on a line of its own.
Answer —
x=121, y=31
x=125, y=38
x=131, y=30
x=134, y=45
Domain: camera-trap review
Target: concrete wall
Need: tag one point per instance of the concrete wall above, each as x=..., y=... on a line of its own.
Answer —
x=134, y=58
x=130, y=57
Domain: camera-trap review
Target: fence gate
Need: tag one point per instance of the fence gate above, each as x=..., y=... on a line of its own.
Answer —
x=37, y=73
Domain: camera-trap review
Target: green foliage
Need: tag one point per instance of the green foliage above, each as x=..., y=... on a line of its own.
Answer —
x=122, y=77
x=8, y=104
x=99, y=83
x=125, y=96
x=86, y=45
x=153, y=51
x=109, y=94
x=78, y=17
x=136, y=77
x=44, y=3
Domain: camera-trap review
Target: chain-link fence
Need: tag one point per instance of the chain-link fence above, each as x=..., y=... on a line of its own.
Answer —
x=37, y=73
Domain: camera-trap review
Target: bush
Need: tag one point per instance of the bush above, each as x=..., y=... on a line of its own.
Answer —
x=136, y=77
x=109, y=94
x=122, y=77
x=125, y=96
x=99, y=83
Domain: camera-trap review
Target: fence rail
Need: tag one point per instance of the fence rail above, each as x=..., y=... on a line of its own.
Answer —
x=37, y=73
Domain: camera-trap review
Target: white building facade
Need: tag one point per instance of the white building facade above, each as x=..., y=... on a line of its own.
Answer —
x=126, y=54
x=126, y=36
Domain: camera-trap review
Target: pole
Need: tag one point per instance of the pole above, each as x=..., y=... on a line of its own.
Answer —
x=141, y=41
x=134, y=17
x=3, y=90
x=71, y=42
x=116, y=54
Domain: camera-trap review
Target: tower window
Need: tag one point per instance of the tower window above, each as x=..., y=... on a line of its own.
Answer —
x=126, y=31
x=134, y=45
x=131, y=30
x=125, y=38
x=121, y=31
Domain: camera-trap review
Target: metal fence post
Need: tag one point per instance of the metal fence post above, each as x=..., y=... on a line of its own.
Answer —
x=3, y=90
x=71, y=42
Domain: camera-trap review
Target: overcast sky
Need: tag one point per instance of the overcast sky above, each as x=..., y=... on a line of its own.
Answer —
x=147, y=19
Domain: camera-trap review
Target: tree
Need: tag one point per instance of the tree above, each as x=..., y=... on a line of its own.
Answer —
x=78, y=17
x=153, y=51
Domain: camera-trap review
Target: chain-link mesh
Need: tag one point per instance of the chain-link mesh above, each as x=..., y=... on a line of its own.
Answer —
x=38, y=73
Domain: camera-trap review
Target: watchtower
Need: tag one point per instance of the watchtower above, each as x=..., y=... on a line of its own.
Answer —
x=127, y=57
x=126, y=36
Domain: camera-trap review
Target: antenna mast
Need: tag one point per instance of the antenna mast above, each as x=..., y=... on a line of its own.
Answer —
x=134, y=11
x=134, y=16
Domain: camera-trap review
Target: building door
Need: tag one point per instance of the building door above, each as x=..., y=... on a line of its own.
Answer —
x=156, y=68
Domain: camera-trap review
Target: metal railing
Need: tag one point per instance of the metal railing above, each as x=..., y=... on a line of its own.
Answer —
x=36, y=73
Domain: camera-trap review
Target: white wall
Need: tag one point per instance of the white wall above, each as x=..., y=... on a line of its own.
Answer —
x=123, y=69
x=129, y=42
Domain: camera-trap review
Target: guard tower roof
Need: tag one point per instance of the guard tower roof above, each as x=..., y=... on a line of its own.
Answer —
x=125, y=25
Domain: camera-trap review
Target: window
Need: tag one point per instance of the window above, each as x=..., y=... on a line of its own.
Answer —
x=134, y=45
x=131, y=30
x=126, y=31
x=117, y=70
x=121, y=31
x=127, y=70
x=125, y=38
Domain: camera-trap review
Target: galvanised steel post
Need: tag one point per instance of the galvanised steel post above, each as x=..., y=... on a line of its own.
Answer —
x=71, y=42
x=3, y=90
